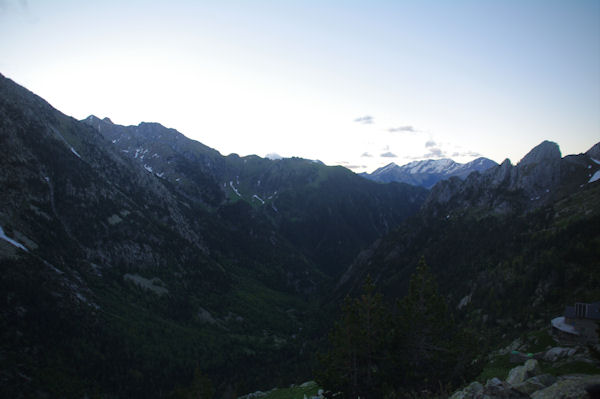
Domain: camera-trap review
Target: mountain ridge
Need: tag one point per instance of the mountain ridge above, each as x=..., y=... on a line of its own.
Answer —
x=426, y=173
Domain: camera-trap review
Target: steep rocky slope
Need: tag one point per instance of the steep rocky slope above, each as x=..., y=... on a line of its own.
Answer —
x=135, y=262
x=327, y=212
x=510, y=246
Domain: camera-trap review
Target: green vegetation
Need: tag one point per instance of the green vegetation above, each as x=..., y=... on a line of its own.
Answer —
x=498, y=367
x=382, y=351
x=573, y=368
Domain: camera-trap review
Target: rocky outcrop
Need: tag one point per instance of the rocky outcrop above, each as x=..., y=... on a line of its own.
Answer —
x=568, y=387
x=527, y=381
x=540, y=178
x=519, y=374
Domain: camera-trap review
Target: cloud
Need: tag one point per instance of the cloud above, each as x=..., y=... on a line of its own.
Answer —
x=366, y=155
x=365, y=120
x=355, y=166
x=406, y=128
x=466, y=154
x=430, y=144
x=435, y=152
x=388, y=155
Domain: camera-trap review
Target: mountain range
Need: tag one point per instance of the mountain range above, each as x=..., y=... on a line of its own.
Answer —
x=135, y=262
x=427, y=173
x=172, y=256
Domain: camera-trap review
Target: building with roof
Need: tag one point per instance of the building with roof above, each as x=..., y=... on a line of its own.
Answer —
x=579, y=323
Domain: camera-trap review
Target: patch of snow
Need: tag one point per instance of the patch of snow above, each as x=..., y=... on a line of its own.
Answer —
x=258, y=198
x=589, y=166
x=234, y=189
x=11, y=241
x=547, y=190
x=178, y=179
x=75, y=152
x=148, y=168
x=155, y=155
x=274, y=207
x=125, y=151
x=114, y=141
x=161, y=174
x=595, y=177
x=595, y=160
x=47, y=179
x=53, y=268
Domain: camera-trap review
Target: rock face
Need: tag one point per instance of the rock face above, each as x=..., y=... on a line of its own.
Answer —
x=519, y=374
x=536, y=383
x=526, y=381
x=594, y=152
x=556, y=353
x=540, y=178
x=569, y=387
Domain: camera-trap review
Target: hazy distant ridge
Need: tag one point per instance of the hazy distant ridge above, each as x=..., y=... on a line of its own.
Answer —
x=427, y=173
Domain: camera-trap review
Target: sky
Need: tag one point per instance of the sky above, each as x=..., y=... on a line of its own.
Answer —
x=353, y=83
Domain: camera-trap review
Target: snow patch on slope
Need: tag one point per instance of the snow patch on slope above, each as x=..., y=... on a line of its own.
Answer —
x=234, y=189
x=75, y=152
x=11, y=241
x=595, y=177
x=258, y=198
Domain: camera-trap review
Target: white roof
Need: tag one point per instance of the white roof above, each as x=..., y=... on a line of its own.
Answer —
x=559, y=322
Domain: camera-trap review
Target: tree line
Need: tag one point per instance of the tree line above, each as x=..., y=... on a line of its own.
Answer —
x=383, y=350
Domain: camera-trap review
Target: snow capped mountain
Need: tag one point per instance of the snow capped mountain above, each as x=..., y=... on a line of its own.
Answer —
x=427, y=173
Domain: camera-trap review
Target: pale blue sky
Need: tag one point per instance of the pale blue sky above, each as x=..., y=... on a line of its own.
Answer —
x=465, y=77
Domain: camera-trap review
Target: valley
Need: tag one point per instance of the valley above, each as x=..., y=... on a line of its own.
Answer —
x=136, y=262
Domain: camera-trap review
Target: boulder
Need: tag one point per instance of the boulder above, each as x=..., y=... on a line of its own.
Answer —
x=519, y=374
x=497, y=389
x=569, y=387
x=473, y=391
x=536, y=383
x=556, y=353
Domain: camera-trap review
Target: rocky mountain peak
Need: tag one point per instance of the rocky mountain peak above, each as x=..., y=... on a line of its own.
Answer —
x=594, y=152
x=543, y=152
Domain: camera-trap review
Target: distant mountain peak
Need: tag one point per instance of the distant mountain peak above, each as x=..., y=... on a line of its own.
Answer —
x=426, y=173
x=273, y=156
x=545, y=151
x=594, y=152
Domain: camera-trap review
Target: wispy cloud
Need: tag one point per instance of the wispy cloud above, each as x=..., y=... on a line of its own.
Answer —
x=430, y=143
x=406, y=128
x=466, y=154
x=435, y=152
x=388, y=155
x=365, y=120
x=366, y=155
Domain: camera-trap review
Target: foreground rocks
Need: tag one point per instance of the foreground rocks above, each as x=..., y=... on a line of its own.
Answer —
x=528, y=381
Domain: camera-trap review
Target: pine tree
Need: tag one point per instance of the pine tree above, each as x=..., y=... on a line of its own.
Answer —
x=425, y=340
x=355, y=363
